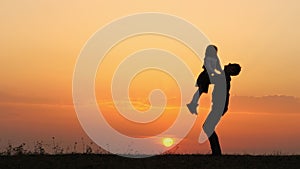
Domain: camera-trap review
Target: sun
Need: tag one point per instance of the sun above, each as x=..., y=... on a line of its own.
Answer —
x=167, y=142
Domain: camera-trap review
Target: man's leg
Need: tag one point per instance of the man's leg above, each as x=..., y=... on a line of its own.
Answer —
x=215, y=145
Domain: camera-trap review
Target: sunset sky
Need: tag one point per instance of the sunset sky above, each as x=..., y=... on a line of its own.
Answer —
x=41, y=41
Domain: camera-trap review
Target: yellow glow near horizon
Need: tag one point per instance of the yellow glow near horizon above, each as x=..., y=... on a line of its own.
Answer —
x=167, y=142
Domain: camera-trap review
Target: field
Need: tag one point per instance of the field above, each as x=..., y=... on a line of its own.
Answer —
x=91, y=161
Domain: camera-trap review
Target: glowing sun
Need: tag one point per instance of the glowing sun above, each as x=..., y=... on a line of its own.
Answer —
x=167, y=142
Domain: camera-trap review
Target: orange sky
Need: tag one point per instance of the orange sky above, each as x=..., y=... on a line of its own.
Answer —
x=40, y=42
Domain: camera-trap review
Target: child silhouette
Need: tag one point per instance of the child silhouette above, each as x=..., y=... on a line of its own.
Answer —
x=211, y=67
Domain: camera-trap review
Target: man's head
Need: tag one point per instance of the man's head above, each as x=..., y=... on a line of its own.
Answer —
x=233, y=69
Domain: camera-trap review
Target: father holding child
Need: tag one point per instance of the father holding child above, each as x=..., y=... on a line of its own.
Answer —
x=213, y=74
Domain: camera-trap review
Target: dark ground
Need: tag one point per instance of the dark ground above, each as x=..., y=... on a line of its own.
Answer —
x=74, y=161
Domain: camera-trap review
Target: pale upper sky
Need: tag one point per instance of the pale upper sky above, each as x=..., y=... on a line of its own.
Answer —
x=40, y=41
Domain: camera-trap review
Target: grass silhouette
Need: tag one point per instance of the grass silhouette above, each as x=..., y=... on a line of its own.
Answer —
x=90, y=161
x=90, y=156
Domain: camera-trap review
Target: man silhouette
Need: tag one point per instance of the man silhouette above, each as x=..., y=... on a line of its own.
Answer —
x=220, y=101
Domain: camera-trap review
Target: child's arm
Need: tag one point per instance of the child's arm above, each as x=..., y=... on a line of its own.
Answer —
x=218, y=66
x=218, y=70
x=214, y=66
x=208, y=63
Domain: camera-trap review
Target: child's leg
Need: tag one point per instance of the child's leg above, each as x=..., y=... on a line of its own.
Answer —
x=194, y=103
x=196, y=96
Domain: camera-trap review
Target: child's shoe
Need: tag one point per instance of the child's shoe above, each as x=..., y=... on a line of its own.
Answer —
x=193, y=108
